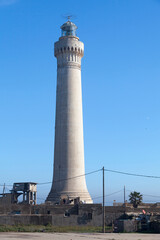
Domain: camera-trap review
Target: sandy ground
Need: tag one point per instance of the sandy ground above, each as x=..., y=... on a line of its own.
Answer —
x=78, y=236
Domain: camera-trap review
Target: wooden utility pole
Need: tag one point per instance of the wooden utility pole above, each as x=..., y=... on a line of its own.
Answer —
x=103, y=230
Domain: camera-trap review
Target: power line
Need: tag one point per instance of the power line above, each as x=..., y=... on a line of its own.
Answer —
x=44, y=183
x=107, y=170
x=108, y=194
x=66, y=179
x=132, y=174
x=1, y=185
x=147, y=195
x=150, y=196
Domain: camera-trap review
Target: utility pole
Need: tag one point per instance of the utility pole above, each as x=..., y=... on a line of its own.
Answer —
x=3, y=188
x=124, y=200
x=103, y=214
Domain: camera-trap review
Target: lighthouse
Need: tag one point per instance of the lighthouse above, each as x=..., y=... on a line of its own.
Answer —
x=69, y=169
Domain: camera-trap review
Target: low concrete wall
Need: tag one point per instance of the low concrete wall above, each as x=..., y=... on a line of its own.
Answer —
x=25, y=220
x=55, y=220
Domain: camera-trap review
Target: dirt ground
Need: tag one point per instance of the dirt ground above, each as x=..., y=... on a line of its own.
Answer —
x=78, y=236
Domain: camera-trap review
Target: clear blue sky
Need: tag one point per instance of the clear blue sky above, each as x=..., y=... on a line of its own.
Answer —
x=121, y=91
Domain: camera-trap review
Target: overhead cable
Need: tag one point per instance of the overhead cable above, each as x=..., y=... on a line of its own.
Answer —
x=66, y=179
x=109, y=194
x=132, y=174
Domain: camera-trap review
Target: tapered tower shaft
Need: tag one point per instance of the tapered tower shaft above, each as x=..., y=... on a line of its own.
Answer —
x=69, y=146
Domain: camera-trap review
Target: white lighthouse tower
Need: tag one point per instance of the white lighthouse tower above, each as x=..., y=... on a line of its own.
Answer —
x=69, y=146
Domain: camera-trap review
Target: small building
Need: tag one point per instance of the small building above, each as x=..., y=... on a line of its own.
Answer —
x=27, y=189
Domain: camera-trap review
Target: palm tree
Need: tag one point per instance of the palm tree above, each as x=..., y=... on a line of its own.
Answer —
x=135, y=198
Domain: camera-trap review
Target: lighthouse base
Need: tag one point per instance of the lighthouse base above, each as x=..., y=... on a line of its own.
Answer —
x=57, y=197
